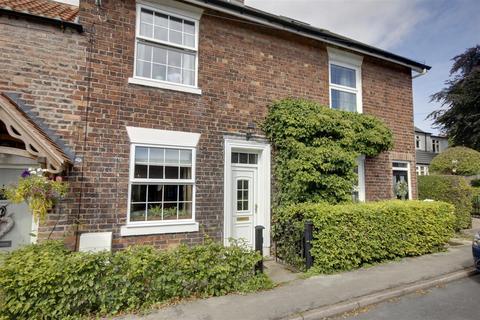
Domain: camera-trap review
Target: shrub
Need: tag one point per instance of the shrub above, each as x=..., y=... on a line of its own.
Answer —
x=475, y=183
x=348, y=236
x=452, y=189
x=47, y=281
x=457, y=160
x=316, y=148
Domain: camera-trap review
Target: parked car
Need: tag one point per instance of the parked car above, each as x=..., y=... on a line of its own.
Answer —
x=476, y=251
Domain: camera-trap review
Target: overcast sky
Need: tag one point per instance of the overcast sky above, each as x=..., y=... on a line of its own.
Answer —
x=429, y=31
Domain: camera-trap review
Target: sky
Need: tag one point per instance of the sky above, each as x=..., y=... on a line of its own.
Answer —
x=429, y=31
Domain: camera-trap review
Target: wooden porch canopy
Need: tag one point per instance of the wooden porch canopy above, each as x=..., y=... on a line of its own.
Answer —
x=38, y=143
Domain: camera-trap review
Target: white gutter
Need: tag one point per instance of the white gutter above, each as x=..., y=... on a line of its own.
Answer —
x=424, y=72
x=279, y=27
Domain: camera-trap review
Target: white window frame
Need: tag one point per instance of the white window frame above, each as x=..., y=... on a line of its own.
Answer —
x=145, y=137
x=435, y=145
x=347, y=60
x=177, y=10
x=361, y=179
x=408, y=176
x=418, y=142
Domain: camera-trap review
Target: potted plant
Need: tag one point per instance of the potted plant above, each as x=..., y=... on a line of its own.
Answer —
x=401, y=189
x=39, y=190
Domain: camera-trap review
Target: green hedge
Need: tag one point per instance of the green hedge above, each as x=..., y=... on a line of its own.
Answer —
x=348, y=236
x=49, y=282
x=457, y=160
x=452, y=189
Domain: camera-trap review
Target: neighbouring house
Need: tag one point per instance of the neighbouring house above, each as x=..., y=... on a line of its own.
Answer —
x=427, y=146
x=152, y=112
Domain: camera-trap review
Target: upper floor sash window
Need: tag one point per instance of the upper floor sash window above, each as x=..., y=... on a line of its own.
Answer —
x=345, y=80
x=166, y=48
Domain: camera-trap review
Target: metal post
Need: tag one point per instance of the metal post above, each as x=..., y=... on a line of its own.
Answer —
x=308, y=235
x=259, y=246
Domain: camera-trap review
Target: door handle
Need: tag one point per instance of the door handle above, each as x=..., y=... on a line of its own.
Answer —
x=256, y=208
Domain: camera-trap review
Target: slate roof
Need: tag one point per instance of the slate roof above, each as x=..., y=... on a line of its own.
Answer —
x=42, y=8
x=425, y=157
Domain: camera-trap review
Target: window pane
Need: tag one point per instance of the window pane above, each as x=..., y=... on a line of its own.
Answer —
x=159, y=72
x=140, y=171
x=155, y=193
x=175, y=37
x=161, y=33
x=154, y=211
x=185, y=173
x=137, y=212
x=174, y=59
x=172, y=156
x=189, y=40
x=188, y=61
x=243, y=158
x=155, y=172
x=343, y=76
x=189, y=27
x=252, y=158
x=400, y=165
x=188, y=77
x=159, y=55
x=174, y=74
x=185, y=156
x=146, y=30
x=171, y=172
x=139, y=193
x=161, y=20
x=170, y=193
x=144, y=69
x=185, y=210
x=185, y=193
x=146, y=16
x=144, y=52
x=234, y=157
x=170, y=211
x=342, y=100
x=156, y=155
x=176, y=23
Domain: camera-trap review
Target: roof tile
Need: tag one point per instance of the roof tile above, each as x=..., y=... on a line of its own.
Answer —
x=43, y=8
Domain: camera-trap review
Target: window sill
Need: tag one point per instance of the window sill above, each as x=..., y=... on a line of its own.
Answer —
x=164, y=85
x=146, y=229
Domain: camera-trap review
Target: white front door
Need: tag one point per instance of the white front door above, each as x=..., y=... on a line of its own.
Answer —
x=244, y=204
x=16, y=223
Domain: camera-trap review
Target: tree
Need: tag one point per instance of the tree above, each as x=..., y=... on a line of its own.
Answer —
x=459, y=116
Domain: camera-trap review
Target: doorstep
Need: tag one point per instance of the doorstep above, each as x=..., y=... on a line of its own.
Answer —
x=298, y=297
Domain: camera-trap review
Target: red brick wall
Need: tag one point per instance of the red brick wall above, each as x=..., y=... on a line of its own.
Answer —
x=242, y=69
x=46, y=65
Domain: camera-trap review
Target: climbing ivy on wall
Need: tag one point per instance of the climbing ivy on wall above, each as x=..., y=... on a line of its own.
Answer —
x=316, y=148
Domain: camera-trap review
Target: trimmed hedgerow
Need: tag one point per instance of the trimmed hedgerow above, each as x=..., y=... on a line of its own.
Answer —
x=348, y=236
x=458, y=161
x=316, y=148
x=47, y=281
x=452, y=189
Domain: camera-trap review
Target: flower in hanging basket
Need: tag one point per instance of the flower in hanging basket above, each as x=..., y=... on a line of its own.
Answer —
x=39, y=190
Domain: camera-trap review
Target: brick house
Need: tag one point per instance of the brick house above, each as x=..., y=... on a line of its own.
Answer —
x=152, y=111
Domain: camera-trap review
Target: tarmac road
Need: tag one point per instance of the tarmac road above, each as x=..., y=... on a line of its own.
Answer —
x=459, y=300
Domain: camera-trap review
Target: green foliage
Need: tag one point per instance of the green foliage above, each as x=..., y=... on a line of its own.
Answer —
x=316, y=149
x=39, y=191
x=452, y=189
x=460, y=115
x=348, y=236
x=475, y=183
x=458, y=161
x=47, y=281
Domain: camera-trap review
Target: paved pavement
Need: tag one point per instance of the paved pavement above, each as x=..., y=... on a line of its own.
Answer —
x=299, y=296
x=454, y=301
